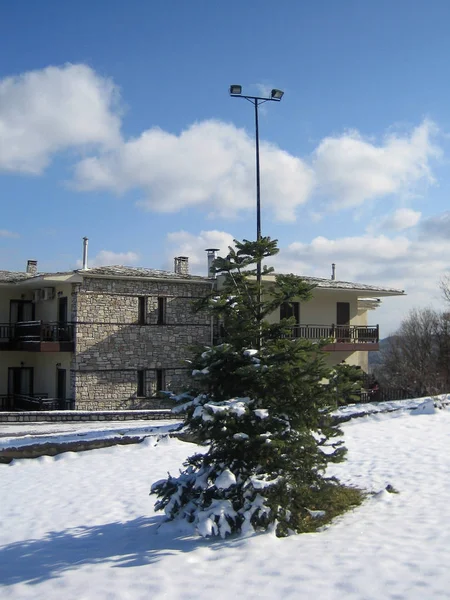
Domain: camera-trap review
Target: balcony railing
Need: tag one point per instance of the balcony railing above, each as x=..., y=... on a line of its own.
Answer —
x=350, y=334
x=36, y=332
x=20, y=402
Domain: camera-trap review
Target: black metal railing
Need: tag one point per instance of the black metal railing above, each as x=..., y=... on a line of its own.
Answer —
x=36, y=331
x=20, y=402
x=385, y=395
x=337, y=333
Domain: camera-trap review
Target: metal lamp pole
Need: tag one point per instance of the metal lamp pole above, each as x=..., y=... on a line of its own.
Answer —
x=275, y=96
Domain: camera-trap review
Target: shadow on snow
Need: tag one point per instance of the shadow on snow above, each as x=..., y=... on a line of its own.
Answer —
x=131, y=544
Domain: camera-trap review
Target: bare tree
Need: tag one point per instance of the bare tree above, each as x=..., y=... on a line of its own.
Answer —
x=416, y=358
x=444, y=286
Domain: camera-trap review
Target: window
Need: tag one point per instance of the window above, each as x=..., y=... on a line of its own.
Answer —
x=290, y=309
x=162, y=310
x=142, y=316
x=160, y=380
x=141, y=382
x=21, y=310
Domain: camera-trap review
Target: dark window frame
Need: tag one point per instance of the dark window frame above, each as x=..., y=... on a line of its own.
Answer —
x=290, y=309
x=341, y=309
x=162, y=310
x=142, y=310
x=20, y=309
x=140, y=383
x=160, y=380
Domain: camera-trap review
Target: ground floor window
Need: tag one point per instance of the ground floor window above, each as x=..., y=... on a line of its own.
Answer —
x=160, y=380
x=141, y=382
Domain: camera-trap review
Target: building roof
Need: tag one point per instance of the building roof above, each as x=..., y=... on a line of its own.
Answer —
x=333, y=284
x=120, y=271
x=115, y=271
x=13, y=276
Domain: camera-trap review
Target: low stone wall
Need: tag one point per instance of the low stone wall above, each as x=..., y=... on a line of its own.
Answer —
x=7, y=455
x=58, y=416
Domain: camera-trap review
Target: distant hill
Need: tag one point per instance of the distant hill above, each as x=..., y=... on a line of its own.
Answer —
x=375, y=357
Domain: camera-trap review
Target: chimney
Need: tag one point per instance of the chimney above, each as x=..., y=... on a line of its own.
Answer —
x=32, y=267
x=333, y=271
x=181, y=265
x=85, y=253
x=211, y=258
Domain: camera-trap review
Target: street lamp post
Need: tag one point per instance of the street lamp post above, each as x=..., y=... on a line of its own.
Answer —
x=275, y=96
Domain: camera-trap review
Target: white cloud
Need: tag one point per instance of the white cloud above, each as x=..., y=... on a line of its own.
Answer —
x=211, y=163
x=109, y=258
x=399, y=220
x=351, y=170
x=8, y=234
x=183, y=243
x=46, y=111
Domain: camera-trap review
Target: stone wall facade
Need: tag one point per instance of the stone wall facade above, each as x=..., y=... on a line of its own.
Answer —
x=133, y=336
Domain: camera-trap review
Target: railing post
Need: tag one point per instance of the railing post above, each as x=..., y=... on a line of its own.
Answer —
x=378, y=334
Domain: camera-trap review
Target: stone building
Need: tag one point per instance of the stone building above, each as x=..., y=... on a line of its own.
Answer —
x=106, y=337
x=113, y=337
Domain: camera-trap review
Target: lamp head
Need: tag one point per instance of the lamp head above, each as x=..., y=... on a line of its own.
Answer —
x=276, y=94
x=235, y=90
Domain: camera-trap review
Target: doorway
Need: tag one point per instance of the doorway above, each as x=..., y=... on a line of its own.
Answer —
x=62, y=310
x=20, y=381
x=61, y=384
x=343, y=321
x=289, y=310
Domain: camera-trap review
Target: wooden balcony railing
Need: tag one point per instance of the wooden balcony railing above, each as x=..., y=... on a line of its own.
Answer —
x=341, y=337
x=346, y=334
x=37, y=334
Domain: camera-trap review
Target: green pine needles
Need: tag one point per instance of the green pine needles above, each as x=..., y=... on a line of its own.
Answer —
x=260, y=403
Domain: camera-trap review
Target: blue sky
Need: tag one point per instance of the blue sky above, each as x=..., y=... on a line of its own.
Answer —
x=116, y=123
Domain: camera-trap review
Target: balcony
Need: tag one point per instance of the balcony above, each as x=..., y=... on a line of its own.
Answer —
x=37, y=336
x=344, y=338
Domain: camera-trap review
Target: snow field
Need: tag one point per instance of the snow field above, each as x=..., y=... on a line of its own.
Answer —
x=82, y=526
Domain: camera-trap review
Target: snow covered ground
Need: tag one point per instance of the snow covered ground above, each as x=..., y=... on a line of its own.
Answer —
x=81, y=526
x=26, y=434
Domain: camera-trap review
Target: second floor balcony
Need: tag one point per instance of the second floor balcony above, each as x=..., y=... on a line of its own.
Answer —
x=37, y=336
x=342, y=337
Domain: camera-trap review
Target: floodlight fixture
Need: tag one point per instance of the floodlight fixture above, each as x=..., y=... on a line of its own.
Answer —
x=276, y=94
x=235, y=90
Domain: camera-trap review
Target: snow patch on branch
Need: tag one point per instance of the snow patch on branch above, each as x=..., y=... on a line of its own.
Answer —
x=225, y=480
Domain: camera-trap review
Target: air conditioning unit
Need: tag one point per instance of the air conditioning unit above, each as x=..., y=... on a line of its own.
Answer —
x=48, y=293
x=36, y=295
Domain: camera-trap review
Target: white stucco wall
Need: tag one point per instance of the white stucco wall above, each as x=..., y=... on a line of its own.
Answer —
x=44, y=369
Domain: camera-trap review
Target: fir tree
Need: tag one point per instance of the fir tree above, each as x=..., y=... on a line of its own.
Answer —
x=259, y=402
x=345, y=384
